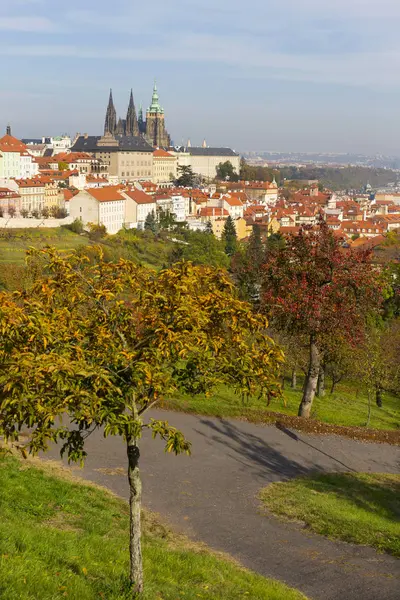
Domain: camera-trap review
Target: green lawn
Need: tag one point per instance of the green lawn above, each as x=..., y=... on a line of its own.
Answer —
x=360, y=508
x=346, y=406
x=60, y=538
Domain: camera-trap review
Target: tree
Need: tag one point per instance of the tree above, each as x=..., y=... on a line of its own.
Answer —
x=209, y=228
x=96, y=231
x=102, y=343
x=11, y=210
x=314, y=287
x=1, y=212
x=24, y=213
x=226, y=171
x=45, y=212
x=200, y=248
x=63, y=166
x=166, y=219
x=246, y=266
x=35, y=213
x=186, y=176
x=229, y=236
x=150, y=223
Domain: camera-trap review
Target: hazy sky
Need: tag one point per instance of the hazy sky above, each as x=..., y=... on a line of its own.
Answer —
x=290, y=75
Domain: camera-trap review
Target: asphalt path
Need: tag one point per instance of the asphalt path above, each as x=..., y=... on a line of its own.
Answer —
x=213, y=497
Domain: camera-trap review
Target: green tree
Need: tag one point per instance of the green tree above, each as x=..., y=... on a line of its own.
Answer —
x=209, y=228
x=166, y=219
x=229, y=236
x=150, y=223
x=246, y=266
x=226, y=171
x=186, y=176
x=45, y=212
x=102, y=343
x=24, y=213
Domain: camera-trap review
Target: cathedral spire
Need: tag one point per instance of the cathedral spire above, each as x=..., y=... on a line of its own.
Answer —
x=132, y=127
x=110, y=123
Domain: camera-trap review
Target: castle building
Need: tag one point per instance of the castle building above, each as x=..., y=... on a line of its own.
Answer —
x=152, y=129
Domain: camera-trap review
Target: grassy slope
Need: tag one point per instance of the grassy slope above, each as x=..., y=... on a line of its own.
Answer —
x=359, y=508
x=15, y=242
x=346, y=406
x=63, y=539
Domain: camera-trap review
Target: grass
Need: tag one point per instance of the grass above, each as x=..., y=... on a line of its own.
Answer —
x=360, y=508
x=60, y=538
x=347, y=406
x=15, y=242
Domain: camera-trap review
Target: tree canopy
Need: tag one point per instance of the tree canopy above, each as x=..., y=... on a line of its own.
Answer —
x=314, y=287
x=101, y=343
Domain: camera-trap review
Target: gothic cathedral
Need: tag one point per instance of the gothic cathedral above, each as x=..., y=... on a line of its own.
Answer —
x=152, y=129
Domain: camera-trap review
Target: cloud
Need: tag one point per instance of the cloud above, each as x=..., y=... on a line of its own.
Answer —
x=248, y=58
x=32, y=24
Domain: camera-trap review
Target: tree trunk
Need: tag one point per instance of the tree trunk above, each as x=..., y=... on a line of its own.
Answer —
x=369, y=410
x=311, y=381
x=293, y=384
x=378, y=397
x=333, y=386
x=321, y=382
x=135, y=500
x=283, y=382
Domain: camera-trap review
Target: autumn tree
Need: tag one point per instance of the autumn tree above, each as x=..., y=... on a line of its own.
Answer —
x=102, y=343
x=316, y=288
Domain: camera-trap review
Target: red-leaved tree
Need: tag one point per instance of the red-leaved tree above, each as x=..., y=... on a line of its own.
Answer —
x=315, y=287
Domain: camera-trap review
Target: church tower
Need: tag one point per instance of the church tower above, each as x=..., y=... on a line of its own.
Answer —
x=110, y=124
x=132, y=127
x=141, y=122
x=156, y=134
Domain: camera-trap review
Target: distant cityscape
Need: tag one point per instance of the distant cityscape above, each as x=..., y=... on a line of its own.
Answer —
x=131, y=171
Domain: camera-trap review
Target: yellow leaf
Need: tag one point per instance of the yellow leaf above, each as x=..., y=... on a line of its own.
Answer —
x=84, y=570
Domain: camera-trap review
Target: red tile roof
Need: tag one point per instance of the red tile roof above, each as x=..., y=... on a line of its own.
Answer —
x=160, y=153
x=8, y=143
x=105, y=194
x=140, y=197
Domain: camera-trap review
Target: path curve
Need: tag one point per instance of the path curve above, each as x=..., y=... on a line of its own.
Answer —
x=212, y=497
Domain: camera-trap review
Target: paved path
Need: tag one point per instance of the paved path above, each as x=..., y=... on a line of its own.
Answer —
x=212, y=496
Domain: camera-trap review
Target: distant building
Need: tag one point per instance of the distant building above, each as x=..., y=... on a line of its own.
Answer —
x=101, y=206
x=152, y=129
x=165, y=166
x=130, y=158
x=15, y=160
x=204, y=161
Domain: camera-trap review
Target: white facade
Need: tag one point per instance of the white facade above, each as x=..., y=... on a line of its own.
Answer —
x=92, y=206
x=112, y=215
x=19, y=165
x=206, y=164
x=179, y=208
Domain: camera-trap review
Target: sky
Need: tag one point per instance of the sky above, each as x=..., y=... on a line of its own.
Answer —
x=280, y=75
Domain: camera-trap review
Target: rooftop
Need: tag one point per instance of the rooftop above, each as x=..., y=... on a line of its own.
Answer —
x=125, y=143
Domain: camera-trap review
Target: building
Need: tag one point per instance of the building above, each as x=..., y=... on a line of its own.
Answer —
x=204, y=161
x=129, y=158
x=10, y=201
x=165, y=167
x=15, y=160
x=101, y=206
x=139, y=206
x=152, y=129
